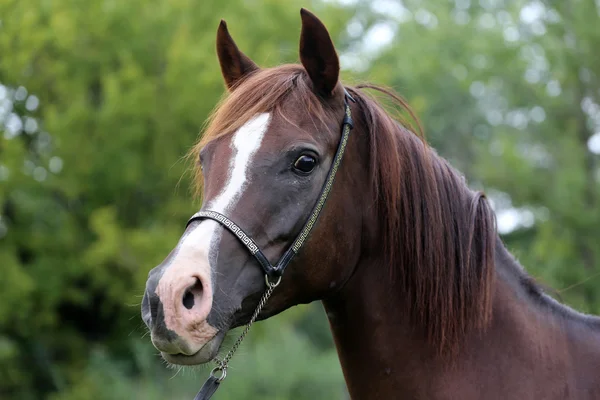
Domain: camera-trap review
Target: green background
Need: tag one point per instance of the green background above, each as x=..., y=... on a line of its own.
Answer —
x=101, y=99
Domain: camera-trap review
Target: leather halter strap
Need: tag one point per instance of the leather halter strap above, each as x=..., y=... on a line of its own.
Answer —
x=277, y=270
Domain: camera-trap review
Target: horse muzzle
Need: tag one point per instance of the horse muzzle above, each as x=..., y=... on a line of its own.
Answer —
x=175, y=309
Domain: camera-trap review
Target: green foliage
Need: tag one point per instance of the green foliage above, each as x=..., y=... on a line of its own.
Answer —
x=280, y=364
x=100, y=101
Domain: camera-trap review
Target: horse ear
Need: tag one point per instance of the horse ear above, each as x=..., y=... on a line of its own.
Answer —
x=235, y=65
x=318, y=55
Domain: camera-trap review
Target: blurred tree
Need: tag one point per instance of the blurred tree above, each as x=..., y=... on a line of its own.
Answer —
x=100, y=100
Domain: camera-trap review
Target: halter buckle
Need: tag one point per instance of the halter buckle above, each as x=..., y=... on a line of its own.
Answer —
x=272, y=284
x=220, y=377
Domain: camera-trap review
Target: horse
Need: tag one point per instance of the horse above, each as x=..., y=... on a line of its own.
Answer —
x=423, y=299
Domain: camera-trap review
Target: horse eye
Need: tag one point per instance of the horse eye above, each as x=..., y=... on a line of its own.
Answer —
x=305, y=163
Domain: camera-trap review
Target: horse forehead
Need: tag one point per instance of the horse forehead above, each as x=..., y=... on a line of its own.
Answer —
x=289, y=128
x=234, y=158
x=248, y=138
x=264, y=133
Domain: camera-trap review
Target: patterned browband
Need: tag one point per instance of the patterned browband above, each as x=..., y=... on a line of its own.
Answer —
x=278, y=269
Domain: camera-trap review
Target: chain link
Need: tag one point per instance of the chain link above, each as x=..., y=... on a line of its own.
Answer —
x=220, y=371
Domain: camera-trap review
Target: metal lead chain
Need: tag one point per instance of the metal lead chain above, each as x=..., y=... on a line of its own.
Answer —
x=220, y=371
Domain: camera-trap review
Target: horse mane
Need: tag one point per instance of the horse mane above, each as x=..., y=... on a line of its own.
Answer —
x=438, y=236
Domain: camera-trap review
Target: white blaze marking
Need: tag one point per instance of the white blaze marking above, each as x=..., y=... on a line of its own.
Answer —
x=195, y=247
x=193, y=252
x=245, y=142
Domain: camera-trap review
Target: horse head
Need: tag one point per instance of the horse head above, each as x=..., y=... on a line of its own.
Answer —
x=264, y=161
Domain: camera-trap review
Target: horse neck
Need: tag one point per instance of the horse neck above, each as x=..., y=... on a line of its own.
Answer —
x=373, y=337
x=382, y=355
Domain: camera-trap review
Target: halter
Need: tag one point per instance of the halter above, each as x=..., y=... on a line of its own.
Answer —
x=273, y=273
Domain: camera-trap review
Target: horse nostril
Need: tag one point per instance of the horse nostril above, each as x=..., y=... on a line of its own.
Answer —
x=191, y=293
x=188, y=300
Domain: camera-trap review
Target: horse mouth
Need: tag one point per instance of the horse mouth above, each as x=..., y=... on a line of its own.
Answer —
x=206, y=353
